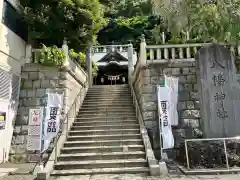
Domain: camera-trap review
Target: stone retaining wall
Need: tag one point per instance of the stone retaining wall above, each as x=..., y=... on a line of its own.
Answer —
x=36, y=79
x=188, y=103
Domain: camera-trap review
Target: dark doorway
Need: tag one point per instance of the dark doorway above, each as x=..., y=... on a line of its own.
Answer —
x=111, y=74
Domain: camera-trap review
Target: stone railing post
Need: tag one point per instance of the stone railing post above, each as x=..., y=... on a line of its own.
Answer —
x=28, y=53
x=130, y=62
x=89, y=66
x=65, y=50
x=143, y=52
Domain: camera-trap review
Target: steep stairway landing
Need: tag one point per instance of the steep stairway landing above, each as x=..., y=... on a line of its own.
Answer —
x=105, y=137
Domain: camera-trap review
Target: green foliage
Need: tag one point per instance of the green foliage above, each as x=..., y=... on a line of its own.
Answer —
x=80, y=58
x=49, y=21
x=128, y=20
x=51, y=56
x=216, y=21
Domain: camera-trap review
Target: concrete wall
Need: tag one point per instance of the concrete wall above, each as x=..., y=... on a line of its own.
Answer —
x=12, y=55
x=35, y=80
x=188, y=104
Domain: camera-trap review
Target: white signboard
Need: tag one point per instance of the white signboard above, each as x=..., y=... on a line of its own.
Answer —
x=164, y=109
x=172, y=83
x=52, y=118
x=35, y=129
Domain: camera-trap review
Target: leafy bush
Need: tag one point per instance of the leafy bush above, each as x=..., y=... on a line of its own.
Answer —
x=80, y=58
x=51, y=56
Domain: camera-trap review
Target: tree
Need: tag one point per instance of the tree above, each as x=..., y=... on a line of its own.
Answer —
x=207, y=21
x=128, y=20
x=50, y=21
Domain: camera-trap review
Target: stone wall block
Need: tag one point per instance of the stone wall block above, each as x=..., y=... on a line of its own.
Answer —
x=149, y=106
x=62, y=75
x=156, y=71
x=45, y=83
x=181, y=105
x=147, y=73
x=24, y=75
x=28, y=84
x=17, y=130
x=192, y=70
x=195, y=88
x=40, y=93
x=53, y=83
x=63, y=83
x=183, y=96
x=36, y=84
x=189, y=114
x=41, y=75
x=148, y=115
x=51, y=75
x=31, y=93
x=23, y=94
x=192, y=79
x=30, y=67
x=197, y=104
x=149, y=97
x=167, y=71
x=182, y=79
x=22, y=119
x=185, y=71
x=181, y=64
x=190, y=105
x=194, y=96
x=176, y=71
x=33, y=102
x=188, y=87
x=19, y=139
x=33, y=75
x=148, y=89
x=193, y=123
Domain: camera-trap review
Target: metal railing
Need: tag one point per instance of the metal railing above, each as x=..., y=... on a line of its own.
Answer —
x=228, y=169
x=71, y=114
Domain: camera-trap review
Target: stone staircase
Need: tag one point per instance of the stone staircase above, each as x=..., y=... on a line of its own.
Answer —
x=105, y=137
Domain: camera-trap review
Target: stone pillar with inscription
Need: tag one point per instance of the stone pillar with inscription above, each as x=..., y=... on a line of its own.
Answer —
x=219, y=91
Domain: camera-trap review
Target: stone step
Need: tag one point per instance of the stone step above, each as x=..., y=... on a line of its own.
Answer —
x=106, y=106
x=122, y=170
x=109, y=94
x=103, y=143
x=101, y=156
x=100, y=164
x=88, y=122
x=109, y=99
x=106, y=103
x=104, y=127
x=103, y=132
x=109, y=115
x=112, y=110
x=102, y=149
x=105, y=118
x=104, y=137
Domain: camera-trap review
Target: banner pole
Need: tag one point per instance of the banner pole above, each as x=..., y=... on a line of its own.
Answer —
x=159, y=125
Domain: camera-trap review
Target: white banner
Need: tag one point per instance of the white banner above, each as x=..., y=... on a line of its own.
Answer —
x=164, y=109
x=52, y=118
x=35, y=129
x=172, y=83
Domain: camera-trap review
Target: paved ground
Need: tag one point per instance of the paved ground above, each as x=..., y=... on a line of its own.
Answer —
x=128, y=177
x=135, y=177
x=24, y=171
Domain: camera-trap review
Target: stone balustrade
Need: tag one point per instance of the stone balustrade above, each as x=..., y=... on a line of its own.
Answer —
x=179, y=51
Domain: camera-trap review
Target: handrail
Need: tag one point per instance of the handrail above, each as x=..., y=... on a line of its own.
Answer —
x=66, y=117
x=153, y=166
